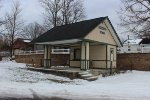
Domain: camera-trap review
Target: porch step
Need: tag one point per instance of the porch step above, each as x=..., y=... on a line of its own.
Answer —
x=93, y=78
x=87, y=75
x=84, y=73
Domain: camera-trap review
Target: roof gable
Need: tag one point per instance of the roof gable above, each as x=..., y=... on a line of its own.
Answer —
x=76, y=30
x=71, y=31
x=113, y=32
x=97, y=35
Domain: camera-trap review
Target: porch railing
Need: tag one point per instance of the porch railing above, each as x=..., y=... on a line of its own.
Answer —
x=30, y=52
x=60, y=51
x=54, y=51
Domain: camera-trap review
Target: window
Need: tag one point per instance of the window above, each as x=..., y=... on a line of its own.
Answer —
x=77, y=54
x=129, y=49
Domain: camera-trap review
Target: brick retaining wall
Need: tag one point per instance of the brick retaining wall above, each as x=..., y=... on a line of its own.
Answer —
x=56, y=59
x=60, y=59
x=30, y=59
x=135, y=61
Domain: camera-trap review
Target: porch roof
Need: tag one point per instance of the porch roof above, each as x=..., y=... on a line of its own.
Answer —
x=72, y=31
x=67, y=42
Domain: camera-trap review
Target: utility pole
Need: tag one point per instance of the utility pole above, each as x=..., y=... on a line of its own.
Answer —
x=128, y=44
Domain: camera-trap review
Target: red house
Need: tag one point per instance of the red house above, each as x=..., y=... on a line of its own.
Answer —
x=22, y=45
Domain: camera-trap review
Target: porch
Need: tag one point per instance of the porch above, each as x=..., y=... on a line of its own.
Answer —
x=92, y=44
x=73, y=73
x=83, y=55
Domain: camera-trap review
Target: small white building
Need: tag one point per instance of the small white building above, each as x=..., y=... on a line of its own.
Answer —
x=130, y=46
x=135, y=46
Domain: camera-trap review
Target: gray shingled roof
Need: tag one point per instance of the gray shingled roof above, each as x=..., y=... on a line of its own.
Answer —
x=76, y=30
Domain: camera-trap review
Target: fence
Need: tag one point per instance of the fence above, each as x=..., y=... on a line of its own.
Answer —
x=30, y=52
x=134, y=61
x=60, y=51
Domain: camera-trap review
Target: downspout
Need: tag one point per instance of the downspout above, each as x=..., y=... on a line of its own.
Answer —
x=85, y=56
x=106, y=56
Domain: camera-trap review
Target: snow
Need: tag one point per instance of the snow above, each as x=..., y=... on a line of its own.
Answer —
x=16, y=81
x=27, y=41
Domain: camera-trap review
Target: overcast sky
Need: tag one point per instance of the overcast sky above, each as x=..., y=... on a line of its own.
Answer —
x=32, y=11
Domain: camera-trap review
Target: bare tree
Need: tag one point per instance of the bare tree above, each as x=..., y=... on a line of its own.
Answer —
x=1, y=42
x=52, y=10
x=13, y=24
x=135, y=16
x=72, y=11
x=33, y=30
x=1, y=21
x=60, y=12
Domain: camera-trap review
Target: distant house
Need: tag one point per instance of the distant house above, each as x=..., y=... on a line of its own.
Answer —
x=22, y=45
x=135, y=46
x=130, y=46
x=93, y=44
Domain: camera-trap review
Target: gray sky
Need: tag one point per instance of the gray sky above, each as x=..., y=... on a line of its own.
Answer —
x=98, y=8
x=32, y=11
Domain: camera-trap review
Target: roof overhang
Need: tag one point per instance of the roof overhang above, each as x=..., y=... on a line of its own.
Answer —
x=60, y=42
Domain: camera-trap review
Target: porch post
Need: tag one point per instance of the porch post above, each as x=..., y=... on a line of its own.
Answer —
x=84, y=56
x=47, y=56
x=106, y=56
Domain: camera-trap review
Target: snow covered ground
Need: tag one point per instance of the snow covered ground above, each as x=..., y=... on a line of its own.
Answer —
x=18, y=82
